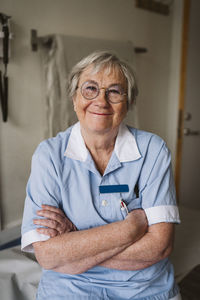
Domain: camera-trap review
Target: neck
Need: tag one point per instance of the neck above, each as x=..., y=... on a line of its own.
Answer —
x=100, y=142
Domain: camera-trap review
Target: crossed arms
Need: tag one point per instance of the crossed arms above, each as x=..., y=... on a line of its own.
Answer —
x=125, y=245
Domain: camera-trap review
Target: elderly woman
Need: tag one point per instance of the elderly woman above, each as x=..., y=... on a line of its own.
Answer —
x=100, y=202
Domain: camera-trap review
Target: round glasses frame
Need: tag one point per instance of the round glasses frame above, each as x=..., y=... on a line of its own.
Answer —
x=107, y=92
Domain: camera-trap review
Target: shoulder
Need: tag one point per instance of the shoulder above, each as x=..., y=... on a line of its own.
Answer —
x=54, y=147
x=149, y=143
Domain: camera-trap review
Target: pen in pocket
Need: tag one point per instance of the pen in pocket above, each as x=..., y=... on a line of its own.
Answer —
x=123, y=206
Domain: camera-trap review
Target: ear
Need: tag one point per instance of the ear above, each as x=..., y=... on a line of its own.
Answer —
x=74, y=104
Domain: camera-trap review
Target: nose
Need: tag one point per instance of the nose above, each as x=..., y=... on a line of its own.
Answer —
x=102, y=98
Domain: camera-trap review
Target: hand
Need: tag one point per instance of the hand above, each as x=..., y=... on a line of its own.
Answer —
x=55, y=220
x=137, y=220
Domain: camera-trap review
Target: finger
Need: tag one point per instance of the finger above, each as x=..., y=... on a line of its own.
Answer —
x=51, y=215
x=63, y=223
x=48, y=231
x=53, y=209
x=52, y=224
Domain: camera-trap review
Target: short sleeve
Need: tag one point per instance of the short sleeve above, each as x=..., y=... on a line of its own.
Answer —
x=42, y=188
x=159, y=196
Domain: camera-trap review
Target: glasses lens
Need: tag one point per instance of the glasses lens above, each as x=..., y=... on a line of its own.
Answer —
x=115, y=93
x=89, y=90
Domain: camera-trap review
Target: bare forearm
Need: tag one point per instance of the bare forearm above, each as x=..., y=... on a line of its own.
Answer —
x=134, y=257
x=78, y=267
x=91, y=246
x=150, y=249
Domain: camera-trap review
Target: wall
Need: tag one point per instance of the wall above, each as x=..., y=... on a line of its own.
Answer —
x=108, y=19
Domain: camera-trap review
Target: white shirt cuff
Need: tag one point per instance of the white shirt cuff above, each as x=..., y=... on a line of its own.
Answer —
x=31, y=237
x=162, y=213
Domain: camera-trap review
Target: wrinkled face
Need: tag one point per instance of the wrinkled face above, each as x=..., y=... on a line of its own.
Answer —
x=98, y=115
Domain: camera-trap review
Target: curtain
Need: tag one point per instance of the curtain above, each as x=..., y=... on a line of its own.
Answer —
x=58, y=57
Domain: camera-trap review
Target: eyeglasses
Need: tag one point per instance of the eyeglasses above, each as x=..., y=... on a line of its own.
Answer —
x=114, y=93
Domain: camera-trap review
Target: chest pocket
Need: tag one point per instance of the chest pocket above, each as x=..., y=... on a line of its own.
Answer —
x=134, y=202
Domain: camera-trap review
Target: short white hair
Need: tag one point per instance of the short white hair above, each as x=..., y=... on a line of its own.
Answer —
x=100, y=60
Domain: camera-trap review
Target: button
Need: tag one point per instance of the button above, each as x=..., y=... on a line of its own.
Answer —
x=104, y=203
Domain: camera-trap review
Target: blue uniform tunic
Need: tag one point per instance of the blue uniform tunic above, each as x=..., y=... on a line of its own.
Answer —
x=64, y=175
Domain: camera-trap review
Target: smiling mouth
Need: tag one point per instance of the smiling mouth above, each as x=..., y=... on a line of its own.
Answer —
x=101, y=114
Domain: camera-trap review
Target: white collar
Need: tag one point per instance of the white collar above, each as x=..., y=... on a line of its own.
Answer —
x=126, y=148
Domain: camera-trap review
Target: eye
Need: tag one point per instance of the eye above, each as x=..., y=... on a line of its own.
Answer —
x=91, y=88
x=116, y=90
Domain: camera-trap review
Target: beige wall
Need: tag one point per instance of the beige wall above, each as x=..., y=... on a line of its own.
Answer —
x=107, y=19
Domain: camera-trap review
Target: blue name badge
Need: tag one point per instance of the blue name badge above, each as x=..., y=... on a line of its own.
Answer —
x=118, y=188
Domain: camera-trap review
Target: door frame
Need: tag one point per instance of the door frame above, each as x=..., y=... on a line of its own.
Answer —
x=182, y=85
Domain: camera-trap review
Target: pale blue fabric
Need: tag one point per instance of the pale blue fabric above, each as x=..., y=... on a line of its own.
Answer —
x=73, y=186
